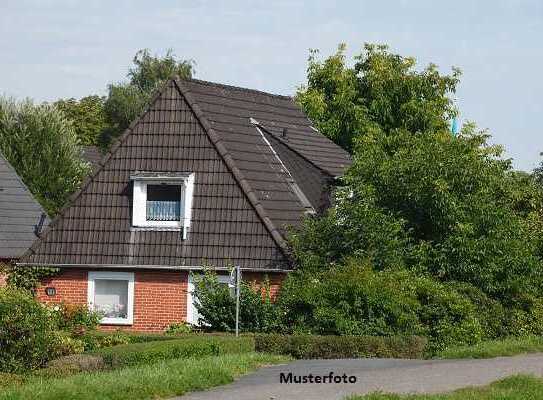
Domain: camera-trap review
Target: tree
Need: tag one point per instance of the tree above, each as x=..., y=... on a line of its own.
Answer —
x=87, y=116
x=42, y=146
x=383, y=91
x=417, y=202
x=125, y=101
x=538, y=173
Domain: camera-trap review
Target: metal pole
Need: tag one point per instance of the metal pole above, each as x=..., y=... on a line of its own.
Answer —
x=238, y=278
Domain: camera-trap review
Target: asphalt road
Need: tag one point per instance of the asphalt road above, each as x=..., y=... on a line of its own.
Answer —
x=387, y=375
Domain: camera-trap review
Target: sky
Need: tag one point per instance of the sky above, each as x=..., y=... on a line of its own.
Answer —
x=60, y=49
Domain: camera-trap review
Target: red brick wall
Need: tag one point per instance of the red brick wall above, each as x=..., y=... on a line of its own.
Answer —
x=70, y=285
x=258, y=278
x=160, y=297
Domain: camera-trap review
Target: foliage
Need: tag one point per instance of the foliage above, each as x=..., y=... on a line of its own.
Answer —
x=163, y=380
x=29, y=277
x=334, y=347
x=75, y=318
x=70, y=365
x=42, y=146
x=8, y=379
x=193, y=347
x=125, y=101
x=87, y=115
x=217, y=307
x=65, y=344
x=178, y=328
x=27, y=332
x=356, y=300
x=382, y=92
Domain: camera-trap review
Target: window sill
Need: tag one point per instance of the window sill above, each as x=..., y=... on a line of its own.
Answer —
x=156, y=228
x=113, y=321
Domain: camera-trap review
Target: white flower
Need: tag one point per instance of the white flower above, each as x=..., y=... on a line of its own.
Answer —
x=56, y=308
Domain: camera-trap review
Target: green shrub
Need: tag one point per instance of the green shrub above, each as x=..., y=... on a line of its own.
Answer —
x=72, y=364
x=75, y=318
x=7, y=379
x=329, y=347
x=217, y=307
x=356, y=300
x=178, y=328
x=95, y=340
x=188, y=347
x=27, y=336
x=64, y=344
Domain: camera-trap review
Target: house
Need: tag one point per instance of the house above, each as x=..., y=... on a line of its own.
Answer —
x=209, y=175
x=21, y=216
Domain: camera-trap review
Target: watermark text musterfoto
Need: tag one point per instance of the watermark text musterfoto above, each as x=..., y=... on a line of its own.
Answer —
x=289, y=377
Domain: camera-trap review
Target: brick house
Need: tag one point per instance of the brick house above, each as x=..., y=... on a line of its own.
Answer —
x=21, y=216
x=208, y=175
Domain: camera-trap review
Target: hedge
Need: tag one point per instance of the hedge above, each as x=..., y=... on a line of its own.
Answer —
x=190, y=346
x=327, y=347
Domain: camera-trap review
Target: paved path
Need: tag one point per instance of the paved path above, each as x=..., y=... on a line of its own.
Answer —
x=388, y=375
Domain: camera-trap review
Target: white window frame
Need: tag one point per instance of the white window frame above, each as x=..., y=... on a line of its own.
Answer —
x=192, y=311
x=109, y=275
x=139, y=202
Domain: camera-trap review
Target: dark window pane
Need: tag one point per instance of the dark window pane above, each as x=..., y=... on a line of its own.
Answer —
x=163, y=202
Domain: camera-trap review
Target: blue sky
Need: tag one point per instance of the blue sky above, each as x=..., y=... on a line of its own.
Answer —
x=52, y=49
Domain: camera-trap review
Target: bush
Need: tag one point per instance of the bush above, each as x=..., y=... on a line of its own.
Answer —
x=97, y=340
x=217, y=307
x=179, y=328
x=64, y=345
x=76, y=318
x=7, y=379
x=356, y=300
x=72, y=364
x=189, y=347
x=330, y=347
x=27, y=336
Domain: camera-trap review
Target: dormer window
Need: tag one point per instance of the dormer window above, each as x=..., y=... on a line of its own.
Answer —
x=162, y=201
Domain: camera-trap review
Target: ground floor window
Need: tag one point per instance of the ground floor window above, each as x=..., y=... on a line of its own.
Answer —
x=112, y=295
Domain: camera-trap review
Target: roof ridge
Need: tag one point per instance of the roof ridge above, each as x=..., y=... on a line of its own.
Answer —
x=238, y=88
x=231, y=164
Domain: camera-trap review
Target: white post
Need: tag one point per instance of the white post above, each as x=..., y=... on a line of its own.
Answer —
x=238, y=279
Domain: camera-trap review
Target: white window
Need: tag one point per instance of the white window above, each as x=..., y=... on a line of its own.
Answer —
x=162, y=201
x=192, y=312
x=112, y=295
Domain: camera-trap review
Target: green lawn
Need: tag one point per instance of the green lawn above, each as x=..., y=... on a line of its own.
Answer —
x=520, y=387
x=495, y=348
x=158, y=380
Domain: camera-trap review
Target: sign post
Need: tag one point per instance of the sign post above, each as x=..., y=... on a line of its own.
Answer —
x=235, y=277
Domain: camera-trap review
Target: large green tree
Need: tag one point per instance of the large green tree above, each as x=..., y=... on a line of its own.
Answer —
x=417, y=198
x=380, y=91
x=87, y=116
x=42, y=146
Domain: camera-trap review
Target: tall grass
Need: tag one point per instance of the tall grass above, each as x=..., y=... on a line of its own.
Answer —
x=159, y=380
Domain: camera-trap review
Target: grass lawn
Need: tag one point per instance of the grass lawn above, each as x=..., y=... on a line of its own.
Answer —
x=162, y=379
x=495, y=348
x=519, y=387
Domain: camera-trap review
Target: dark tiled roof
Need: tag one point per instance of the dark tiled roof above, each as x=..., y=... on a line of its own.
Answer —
x=20, y=213
x=92, y=155
x=242, y=199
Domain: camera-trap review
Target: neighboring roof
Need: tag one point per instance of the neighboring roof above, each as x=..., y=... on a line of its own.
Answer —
x=92, y=155
x=20, y=213
x=244, y=194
